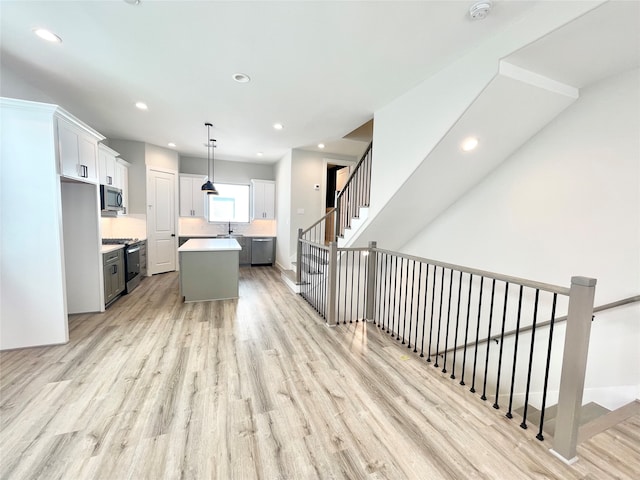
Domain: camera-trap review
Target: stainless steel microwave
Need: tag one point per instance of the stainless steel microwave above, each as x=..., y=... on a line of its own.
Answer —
x=110, y=199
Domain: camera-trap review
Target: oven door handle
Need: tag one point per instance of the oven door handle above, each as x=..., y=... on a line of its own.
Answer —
x=133, y=250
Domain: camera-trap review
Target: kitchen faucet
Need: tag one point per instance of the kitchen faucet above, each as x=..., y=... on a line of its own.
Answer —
x=230, y=231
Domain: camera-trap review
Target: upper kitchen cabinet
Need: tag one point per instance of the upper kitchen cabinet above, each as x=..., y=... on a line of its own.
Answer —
x=77, y=149
x=121, y=180
x=264, y=200
x=107, y=165
x=114, y=171
x=192, y=198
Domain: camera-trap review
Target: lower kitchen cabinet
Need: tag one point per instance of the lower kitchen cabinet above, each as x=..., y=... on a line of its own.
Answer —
x=143, y=259
x=114, y=275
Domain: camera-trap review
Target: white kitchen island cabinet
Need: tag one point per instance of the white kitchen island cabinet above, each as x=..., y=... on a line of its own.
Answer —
x=209, y=269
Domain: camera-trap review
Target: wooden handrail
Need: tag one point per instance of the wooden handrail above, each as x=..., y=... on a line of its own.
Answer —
x=547, y=287
x=356, y=168
x=319, y=221
x=528, y=328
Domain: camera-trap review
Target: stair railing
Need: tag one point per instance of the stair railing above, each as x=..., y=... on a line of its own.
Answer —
x=355, y=194
x=433, y=307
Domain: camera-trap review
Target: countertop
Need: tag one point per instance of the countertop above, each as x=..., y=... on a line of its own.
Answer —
x=210, y=245
x=110, y=248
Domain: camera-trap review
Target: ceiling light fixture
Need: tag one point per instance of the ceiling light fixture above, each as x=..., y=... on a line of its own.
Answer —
x=171, y=144
x=211, y=143
x=241, y=78
x=133, y=2
x=469, y=143
x=45, y=34
x=141, y=106
x=259, y=154
x=480, y=10
x=278, y=126
x=321, y=145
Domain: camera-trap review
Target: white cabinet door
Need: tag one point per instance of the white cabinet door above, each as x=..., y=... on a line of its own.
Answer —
x=121, y=180
x=264, y=199
x=107, y=165
x=78, y=153
x=192, y=198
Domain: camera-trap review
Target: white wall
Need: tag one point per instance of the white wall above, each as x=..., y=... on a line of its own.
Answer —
x=567, y=203
x=307, y=169
x=407, y=129
x=228, y=172
x=282, y=172
x=134, y=153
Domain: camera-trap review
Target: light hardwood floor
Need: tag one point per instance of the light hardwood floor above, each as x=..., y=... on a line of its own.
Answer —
x=258, y=388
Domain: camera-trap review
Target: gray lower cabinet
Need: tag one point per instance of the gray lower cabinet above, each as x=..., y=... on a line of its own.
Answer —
x=143, y=259
x=114, y=275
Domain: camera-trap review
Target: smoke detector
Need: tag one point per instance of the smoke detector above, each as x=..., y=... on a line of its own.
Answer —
x=480, y=10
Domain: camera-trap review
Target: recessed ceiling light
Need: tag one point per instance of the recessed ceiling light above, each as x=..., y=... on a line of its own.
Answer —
x=241, y=78
x=171, y=144
x=45, y=34
x=142, y=106
x=259, y=154
x=469, y=143
x=321, y=145
x=133, y=2
x=278, y=126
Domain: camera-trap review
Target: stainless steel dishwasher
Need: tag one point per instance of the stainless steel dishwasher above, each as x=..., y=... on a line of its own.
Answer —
x=263, y=250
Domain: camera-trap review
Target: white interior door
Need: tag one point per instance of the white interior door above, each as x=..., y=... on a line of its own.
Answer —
x=342, y=176
x=161, y=220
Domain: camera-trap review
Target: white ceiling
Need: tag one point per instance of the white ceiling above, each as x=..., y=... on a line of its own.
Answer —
x=321, y=68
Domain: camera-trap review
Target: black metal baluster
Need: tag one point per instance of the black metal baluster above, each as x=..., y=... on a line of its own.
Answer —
x=539, y=436
x=439, y=318
x=413, y=287
x=475, y=353
x=504, y=321
x=533, y=339
x=406, y=295
x=424, y=308
x=486, y=358
x=433, y=297
x=415, y=343
x=383, y=301
x=515, y=355
x=353, y=267
x=393, y=295
x=446, y=335
x=455, y=337
x=346, y=283
x=358, y=289
x=399, y=298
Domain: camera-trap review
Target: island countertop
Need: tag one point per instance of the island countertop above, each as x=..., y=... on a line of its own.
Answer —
x=210, y=245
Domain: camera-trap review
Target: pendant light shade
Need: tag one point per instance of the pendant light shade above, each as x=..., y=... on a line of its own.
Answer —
x=211, y=143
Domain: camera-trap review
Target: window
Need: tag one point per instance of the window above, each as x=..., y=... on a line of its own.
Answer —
x=231, y=205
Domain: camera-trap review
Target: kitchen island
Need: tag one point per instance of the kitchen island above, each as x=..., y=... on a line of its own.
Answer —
x=209, y=269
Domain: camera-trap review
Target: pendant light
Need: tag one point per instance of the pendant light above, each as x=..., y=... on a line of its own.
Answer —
x=211, y=143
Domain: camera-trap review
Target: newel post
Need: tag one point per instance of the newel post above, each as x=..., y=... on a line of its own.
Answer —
x=299, y=258
x=371, y=282
x=332, y=287
x=574, y=365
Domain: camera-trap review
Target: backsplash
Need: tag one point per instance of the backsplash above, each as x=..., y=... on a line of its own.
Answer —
x=199, y=226
x=129, y=226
